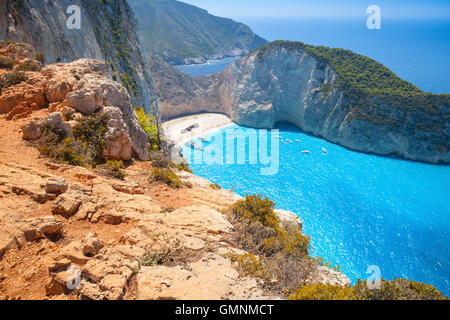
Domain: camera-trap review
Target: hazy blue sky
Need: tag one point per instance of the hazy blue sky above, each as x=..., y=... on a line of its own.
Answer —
x=325, y=8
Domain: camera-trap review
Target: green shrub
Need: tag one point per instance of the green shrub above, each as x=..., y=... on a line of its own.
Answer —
x=159, y=159
x=215, y=186
x=89, y=134
x=183, y=166
x=255, y=208
x=166, y=176
x=329, y=265
x=28, y=65
x=150, y=125
x=323, y=292
x=114, y=168
x=55, y=144
x=40, y=57
x=171, y=252
x=248, y=265
x=84, y=149
x=6, y=63
x=397, y=289
x=12, y=78
x=282, y=249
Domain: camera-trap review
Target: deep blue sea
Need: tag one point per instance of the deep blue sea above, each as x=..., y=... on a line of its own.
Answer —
x=416, y=50
x=360, y=209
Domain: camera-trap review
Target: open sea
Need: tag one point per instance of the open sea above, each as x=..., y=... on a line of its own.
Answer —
x=360, y=210
x=416, y=50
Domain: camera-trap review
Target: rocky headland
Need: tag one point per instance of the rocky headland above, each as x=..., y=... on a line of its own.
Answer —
x=335, y=94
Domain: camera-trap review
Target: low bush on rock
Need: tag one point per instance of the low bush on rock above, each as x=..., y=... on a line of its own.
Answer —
x=170, y=253
x=113, y=168
x=11, y=79
x=150, y=126
x=55, y=144
x=84, y=149
x=39, y=57
x=159, y=159
x=321, y=291
x=6, y=63
x=29, y=65
x=166, y=176
x=278, y=252
x=90, y=134
x=183, y=166
x=397, y=289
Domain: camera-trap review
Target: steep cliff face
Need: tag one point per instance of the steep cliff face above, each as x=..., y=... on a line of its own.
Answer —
x=180, y=94
x=363, y=107
x=366, y=109
x=180, y=33
x=108, y=33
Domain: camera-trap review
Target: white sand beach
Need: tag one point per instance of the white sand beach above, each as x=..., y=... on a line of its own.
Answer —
x=183, y=129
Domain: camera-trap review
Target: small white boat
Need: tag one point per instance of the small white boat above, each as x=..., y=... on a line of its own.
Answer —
x=282, y=140
x=306, y=151
x=324, y=150
x=297, y=140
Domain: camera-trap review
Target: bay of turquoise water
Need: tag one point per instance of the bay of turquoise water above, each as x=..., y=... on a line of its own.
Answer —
x=359, y=209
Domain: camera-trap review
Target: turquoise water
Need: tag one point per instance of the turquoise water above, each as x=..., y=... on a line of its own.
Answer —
x=359, y=209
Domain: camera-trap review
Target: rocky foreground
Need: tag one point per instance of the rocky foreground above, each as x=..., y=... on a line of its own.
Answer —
x=71, y=232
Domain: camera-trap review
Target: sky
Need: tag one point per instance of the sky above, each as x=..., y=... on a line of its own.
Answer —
x=325, y=8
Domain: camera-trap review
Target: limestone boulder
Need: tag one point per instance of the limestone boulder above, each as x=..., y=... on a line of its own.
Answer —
x=118, y=141
x=56, y=185
x=68, y=203
x=288, y=217
x=93, y=92
x=30, y=91
x=55, y=120
x=43, y=227
x=34, y=129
